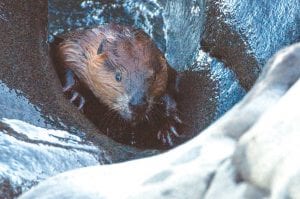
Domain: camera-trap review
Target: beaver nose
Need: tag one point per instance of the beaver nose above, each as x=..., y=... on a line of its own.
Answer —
x=138, y=105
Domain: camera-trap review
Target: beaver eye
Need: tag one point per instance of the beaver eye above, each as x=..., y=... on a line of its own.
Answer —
x=118, y=76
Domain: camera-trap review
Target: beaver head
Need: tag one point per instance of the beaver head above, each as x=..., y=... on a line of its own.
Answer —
x=128, y=73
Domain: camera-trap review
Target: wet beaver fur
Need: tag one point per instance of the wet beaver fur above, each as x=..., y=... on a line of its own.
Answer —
x=134, y=86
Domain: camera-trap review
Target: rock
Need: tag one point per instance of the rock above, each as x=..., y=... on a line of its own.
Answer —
x=272, y=84
x=226, y=177
x=268, y=154
x=32, y=102
x=222, y=41
x=182, y=45
x=180, y=177
x=197, y=168
x=245, y=34
x=30, y=154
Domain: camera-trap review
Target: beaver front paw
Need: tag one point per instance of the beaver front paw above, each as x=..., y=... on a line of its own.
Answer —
x=81, y=100
x=70, y=88
x=170, y=131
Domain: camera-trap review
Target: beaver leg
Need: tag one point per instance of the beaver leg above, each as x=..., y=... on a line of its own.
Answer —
x=71, y=86
x=171, y=129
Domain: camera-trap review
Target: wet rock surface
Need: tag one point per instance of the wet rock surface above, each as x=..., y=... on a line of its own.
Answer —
x=267, y=154
x=219, y=46
x=41, y=133
x=222, y=41
x=219, y=163
x=245, y=34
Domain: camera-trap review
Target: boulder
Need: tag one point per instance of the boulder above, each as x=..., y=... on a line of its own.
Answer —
x=267, y=155
x=236, y=157
x=245, y=34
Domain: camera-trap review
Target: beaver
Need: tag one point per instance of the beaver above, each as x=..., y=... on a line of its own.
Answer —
x=126, y=72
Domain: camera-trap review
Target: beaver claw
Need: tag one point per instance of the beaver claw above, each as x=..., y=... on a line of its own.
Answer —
x=169, y=132
x=71, y=87
x=76, y=95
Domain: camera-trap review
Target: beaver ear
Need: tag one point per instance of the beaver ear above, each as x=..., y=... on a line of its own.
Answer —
x=99, y=60
x=101, y=46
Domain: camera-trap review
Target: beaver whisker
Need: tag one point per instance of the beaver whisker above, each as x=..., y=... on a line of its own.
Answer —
x=147, y=117
x=106, y=119
x=122, y=122
x=117, y=108
x=108, y=114
x=113, y=119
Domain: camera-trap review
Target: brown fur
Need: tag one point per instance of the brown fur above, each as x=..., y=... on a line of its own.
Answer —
x=130, y=51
